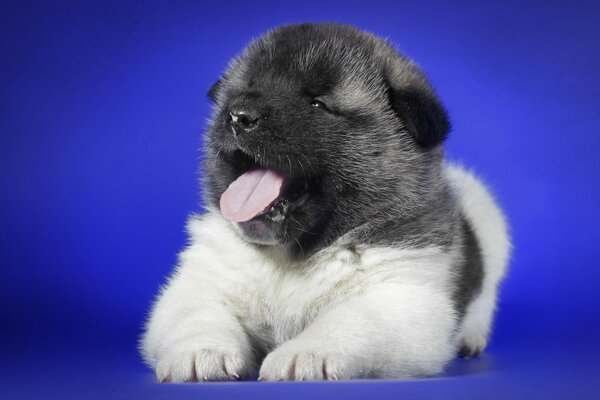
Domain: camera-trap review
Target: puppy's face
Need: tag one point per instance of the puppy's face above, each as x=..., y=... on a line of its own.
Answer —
x=318, y=129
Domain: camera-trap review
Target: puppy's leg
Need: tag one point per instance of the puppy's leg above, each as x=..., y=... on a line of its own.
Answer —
x=390, y=330
x=193, y=335
x=477, y=323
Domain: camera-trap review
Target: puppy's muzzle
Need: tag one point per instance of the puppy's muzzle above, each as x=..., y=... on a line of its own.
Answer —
x=243, y=120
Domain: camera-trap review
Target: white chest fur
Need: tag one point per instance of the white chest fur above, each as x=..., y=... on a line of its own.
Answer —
x=275, y=300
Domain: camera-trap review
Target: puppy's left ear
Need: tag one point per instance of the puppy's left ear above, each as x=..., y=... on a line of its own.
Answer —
x=214, y=89
x=416, y=104
x=422, y=114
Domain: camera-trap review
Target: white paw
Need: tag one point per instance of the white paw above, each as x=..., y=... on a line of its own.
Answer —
x=309, y=364
x=472, y=345
x=206, y=364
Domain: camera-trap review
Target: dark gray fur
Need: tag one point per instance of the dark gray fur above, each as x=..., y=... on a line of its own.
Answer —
x=469, y=270
x=370, y=153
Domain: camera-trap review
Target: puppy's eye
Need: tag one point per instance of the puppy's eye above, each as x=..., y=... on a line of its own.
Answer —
x=319, y=104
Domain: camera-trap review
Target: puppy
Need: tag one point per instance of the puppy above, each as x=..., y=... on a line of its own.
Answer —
x=337, y=242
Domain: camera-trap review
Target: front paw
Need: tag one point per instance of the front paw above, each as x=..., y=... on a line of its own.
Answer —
x=472, y=345
x=305, y=363
x=202, y=364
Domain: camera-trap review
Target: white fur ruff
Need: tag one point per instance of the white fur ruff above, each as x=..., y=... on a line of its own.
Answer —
x=375, y=312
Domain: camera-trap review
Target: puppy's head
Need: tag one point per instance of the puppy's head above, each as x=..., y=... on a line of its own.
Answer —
x=318, y=129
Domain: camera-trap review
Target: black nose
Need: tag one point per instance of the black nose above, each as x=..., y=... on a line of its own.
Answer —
x=243, y=118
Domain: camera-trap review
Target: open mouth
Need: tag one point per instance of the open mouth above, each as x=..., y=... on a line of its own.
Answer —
x=261, y=191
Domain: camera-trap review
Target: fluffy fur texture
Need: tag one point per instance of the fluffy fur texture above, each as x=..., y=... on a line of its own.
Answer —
x=377, y=260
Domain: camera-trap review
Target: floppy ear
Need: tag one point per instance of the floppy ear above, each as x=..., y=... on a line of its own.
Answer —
x=422, y=114
x=414, y=100
x=214, y=89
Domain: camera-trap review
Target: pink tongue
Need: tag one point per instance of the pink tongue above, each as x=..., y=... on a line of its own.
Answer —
x=250, y=194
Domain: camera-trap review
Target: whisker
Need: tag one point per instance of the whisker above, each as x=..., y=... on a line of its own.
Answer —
x=282, y=246
x=290, y=163
x=303, y=172
x=307, y=160
x=301, y=249
x=305, y=231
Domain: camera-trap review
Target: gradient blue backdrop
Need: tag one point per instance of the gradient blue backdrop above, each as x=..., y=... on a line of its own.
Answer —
x=101, y=110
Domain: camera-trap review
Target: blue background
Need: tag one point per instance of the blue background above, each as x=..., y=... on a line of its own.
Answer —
x=101, y=110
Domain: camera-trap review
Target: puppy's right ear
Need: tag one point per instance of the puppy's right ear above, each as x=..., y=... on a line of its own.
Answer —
x=214, y=90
